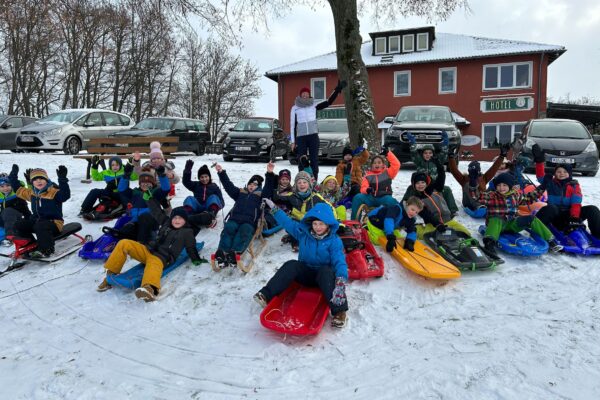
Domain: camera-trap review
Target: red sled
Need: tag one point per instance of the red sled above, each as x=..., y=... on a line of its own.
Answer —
x=299, y=310
x=361, y=256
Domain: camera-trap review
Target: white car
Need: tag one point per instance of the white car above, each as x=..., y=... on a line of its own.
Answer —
x=69, y=130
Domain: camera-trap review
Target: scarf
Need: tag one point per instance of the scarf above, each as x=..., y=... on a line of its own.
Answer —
x=302, y=102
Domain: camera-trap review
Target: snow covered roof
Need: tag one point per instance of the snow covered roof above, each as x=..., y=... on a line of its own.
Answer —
x=447, y=46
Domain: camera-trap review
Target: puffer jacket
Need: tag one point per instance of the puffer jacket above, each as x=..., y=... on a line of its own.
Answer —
x=566, y=193
x=246, y=209
x=427, y=167
x=111, y=178
x=317, y=253
x=355, y=167
x=435, y=210
x=169, y=166
x=381, y=181
x=11, y=200
x=201, y=192
x=137, y=200
x=389, y=218
x=303, y=118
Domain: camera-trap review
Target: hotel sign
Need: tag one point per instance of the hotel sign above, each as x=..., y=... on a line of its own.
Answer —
x=521, y=103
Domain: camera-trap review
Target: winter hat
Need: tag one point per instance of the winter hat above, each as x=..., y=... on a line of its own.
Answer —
x=327, y=179
x=419, y=177
x=347, y=150
x=38, y=173
x=179, y=212
x=203, y=170
x=506, y=178
x=256, y=179
x=304, y=89
x=285, y=173
x=117, y=160
x=155, y=151
x=304, y=175
x=146, y=176
x=4, y=179
x=566, y=167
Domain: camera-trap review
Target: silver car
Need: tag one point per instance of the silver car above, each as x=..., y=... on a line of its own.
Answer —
x=10, y=125
x=69, y=130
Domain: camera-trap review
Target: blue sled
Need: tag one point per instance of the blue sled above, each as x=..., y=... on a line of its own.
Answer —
x=580, y=241
x=517, y=244
x=132, y=278
x=2, y=234
x=481, y=212
x=101, y=248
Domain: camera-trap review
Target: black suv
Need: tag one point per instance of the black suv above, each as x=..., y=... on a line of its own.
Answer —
x=255, y=138
x=426, y=123
x=192, y=133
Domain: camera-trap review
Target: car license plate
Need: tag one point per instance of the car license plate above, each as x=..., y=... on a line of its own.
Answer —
x=243, y=148
x=562, y=160
x=26, y=139
x=320, y=152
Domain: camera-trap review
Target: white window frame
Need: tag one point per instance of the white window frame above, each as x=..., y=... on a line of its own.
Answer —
x=312, y=87
x=399, y=44
x=396, y=73
x=412, y=43
x=380, y=39
x=498, y=77
x=497, y=125
x=426, y=34
x=441, y=70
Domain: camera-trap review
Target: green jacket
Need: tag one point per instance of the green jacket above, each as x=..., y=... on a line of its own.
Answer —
x=110, y=177
x=427, y=167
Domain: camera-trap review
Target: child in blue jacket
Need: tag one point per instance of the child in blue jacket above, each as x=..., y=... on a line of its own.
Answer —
x=321, y=260
x=387, y=220
x=207, y=200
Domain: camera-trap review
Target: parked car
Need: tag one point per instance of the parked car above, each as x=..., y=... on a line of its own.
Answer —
x=333, y=137
x=255, y=138
x=192, y=133
x=564, y=141
x=69, y=130
x=426, y=123
x=10, y=125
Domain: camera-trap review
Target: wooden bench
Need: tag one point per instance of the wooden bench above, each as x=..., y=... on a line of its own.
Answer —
x=124, y=147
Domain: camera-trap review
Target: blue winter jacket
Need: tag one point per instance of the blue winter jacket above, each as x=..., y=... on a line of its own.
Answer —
x=201, y=192
x=388, y=218
x=246, y=209
x=317, y=253
x=139, y=199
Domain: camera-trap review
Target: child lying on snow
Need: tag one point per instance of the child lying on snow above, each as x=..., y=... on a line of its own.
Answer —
x=321, y=261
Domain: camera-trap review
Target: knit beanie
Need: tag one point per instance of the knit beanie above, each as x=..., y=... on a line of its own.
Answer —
x=506, y=178
x=419, y=177
x=285, y=173
x=347, y=150
x=566, y=167
x=179, y=212
x=4, y=179
x=38, y=173
x=203, y=170
x=304, y=89
x=146, y=176
x=327, y=179
x=256, y=179
x=155, y=151
x=304, y=175
x=117, y=160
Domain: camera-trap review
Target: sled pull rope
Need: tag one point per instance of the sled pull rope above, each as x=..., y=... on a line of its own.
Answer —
x=276, y=322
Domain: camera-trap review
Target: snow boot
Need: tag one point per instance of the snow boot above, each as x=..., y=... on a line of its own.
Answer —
x=232, y=259
x=339, y=320
x=41, y=253
x=146, y=293
x=220, y=259
x=104, y=285
x=554, y=246
x=490, y=246
x=261, y=299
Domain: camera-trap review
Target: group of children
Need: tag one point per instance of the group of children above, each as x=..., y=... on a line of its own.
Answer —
x=309, y=212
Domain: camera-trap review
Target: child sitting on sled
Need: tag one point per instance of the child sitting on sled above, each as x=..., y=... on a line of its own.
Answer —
x=388, y=220
x=502, y=206
x=46, y=200
x=157, y=159
x=281, y=196
x=331, y=191
x=174, y=235
x=12, y=208
x=244, y=215
x=321, y=261
x=376, y=186
x=111, y=176
x=349, y=173
x=435, y=213
x=207, y=198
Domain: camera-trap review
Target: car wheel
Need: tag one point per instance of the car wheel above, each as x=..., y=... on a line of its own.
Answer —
x=227, y=158
x=589, y=173
x=72, y=145
x=201, y=149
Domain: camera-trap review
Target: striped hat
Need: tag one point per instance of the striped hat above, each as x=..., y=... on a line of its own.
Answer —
x=147, y=176
x=38, y=173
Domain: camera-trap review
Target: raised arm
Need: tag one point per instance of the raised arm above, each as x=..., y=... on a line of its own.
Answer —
x=453, y=168
x=324, y=104
x=230, y=188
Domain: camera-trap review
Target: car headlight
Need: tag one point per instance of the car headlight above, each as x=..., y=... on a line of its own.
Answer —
x=452, y=133
x=262, y=140
x=227, y=140
x=392, y=132
x=591, y=148
x=53, y=132
x=341, y=143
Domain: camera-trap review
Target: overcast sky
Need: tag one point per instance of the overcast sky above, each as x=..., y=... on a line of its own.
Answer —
x=575, y=24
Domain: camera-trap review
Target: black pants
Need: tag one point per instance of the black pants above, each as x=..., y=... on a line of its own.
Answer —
x=95, y=195
x=552, y=214
x=44, y=230
x=142, y=230
x=294, y=270
x=309, y=143
x=8, y=219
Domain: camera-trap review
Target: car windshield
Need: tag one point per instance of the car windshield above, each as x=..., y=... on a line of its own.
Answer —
x=558, y=130
x=253, y=125
x=154, y=123
x=332, y=125
x=62, y=116
x=424, y=114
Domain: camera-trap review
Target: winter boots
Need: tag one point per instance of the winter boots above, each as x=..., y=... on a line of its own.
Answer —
x=554, y=246
x=490, y=245
x=41, y=253
x=146, y=293
x=339, y=320
x=261, y=299
x=104, y=285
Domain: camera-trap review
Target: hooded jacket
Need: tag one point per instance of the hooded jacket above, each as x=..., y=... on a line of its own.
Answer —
x=435, y=210
x=356, y=173
x=381, y=181
x=330, y=196
x=110, y=177
x=200, y=191
x=317, y=253
x=137, y=200
x=246, y=209
x=566, y=193
x=427, y=167
x=389, y=218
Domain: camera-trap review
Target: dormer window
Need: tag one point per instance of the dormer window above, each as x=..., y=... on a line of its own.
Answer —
x=422, y=41
x=380, y=46
x=402, y=41
x=394, y=44
x=408, y=43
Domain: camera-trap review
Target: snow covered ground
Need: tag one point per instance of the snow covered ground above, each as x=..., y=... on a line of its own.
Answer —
x=528, y=330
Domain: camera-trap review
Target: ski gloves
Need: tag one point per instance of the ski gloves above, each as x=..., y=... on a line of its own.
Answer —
x=539, y=155
x=409, y=245
x=127, y=171
x=391, y=243
x=445, y=140
x=160, y=170
x=357, y=150
x=411, y=138
x=339, y=292
x=95, y=161
x=61, y=172
x=384, y=151
x=188, y=165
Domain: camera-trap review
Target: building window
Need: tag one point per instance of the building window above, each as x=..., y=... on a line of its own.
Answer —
x=401, y=83
x=394, y=44
x=408, y=43
x=447, y=80
x=317, y=88
x=507, y=76
x=379, y=45
x=493, y=135
x=422, y=41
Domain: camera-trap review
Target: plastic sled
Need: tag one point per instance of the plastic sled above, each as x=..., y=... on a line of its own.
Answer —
x=299, y=310
x=481, y=212
x=423, y=261
x=346, y=202
x=530, y=209
x=579, y=241
x=361, y=256
x=100, y=249
x=519, y=244
x=105, y=211
x=461, y=250
x=132, y=278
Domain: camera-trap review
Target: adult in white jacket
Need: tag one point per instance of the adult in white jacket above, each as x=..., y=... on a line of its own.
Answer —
x=303, y=123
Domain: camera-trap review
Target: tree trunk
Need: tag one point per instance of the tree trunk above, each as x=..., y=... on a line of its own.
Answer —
x=352, y=69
